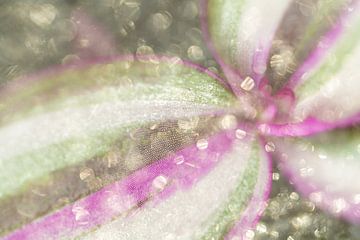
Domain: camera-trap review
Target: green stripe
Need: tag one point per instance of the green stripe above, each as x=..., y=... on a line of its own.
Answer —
x=225, y=218
x=141, y=92
x=223, y=20
x=335, y=144
x=29, y=166
x=170, y=82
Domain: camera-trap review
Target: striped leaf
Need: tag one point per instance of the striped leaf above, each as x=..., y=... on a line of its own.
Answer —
x=121, y=111
x=328, y=89
x=326, y=169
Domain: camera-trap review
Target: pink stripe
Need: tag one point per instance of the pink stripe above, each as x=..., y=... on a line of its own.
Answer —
x=307, y=127
x=119, y=198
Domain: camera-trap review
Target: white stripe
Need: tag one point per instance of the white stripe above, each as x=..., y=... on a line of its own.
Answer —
x=184, y=215
x=257, y=27
x=53, y=127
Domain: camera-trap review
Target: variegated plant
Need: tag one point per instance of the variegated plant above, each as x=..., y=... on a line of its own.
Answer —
x=152, y=147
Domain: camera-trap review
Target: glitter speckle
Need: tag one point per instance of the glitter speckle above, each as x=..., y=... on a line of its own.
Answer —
x=248, y=84
x=261, y=228
x=301, y=221
x=274, y=234
x=228, y=122
x=276, y=176
x=160, y=182
x=317, y=233
x=202, y=144
x=86, y=174
x=81, y=214
x=240, y=134
x=283, y=63
x=249, y=235
x=144, y=50
x=276, y=61
x=339, y=205
x=179, y=160
x=270, y=147
x=43, y=15
x=309, y=206
x=294, y=196
x=161, y=21
x=195, y=53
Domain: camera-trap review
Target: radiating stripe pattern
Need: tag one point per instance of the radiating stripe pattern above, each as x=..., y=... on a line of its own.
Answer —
x=328, y=88
x=94, y=124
